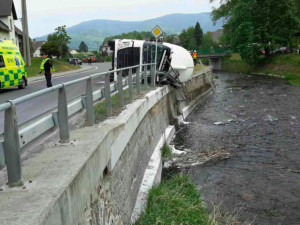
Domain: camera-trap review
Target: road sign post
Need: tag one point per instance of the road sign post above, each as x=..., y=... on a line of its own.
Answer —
x=156, y=32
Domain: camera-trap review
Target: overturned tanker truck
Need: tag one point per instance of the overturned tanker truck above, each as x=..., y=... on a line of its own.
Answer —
x=174, y=64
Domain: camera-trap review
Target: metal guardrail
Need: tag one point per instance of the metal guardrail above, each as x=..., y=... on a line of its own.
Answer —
x=16, y=137
x=212, y=51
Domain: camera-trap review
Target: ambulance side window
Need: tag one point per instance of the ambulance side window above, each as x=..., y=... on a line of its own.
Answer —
x=2, y=64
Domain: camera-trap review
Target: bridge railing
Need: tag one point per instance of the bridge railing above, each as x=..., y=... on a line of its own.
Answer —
x=17, y=136
x=210, y=51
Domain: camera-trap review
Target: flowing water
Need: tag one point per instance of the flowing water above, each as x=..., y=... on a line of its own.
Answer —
x=243, y=148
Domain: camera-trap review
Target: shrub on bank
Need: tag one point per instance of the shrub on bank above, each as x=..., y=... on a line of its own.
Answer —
x=176, y=201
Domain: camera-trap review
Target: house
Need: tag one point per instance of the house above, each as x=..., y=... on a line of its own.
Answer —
x=106, y=50
x=7, y=16
x=37, y=48
x=19, y=38
x=73, y=51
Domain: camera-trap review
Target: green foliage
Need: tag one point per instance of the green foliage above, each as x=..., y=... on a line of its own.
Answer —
x=107, y=59
x=131, y=35
x=208, y=42
x=186, y=37
x=59, y=40
x=287, y=66
x=176, y=201
x=83, y=47
x=170, y=39
x=51, y=49
x=293, y=79
x=256, y=25
x=297, y=3
x=198, y=34
x=166, y=152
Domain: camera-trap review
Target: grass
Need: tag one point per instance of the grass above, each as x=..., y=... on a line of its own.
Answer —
x=166, y=152
x=173, y=202
x=199, y=68
x=287, y=66
x=100, y=108
x=60, y=65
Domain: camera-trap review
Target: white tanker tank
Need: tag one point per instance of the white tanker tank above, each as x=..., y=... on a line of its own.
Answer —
x=181, y=61
x=128, y=52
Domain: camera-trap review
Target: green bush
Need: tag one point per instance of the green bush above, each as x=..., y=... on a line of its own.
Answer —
x=107, y=59
x=176, y=201
x=166, y=152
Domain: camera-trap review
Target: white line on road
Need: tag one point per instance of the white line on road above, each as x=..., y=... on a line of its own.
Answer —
x=71, y=74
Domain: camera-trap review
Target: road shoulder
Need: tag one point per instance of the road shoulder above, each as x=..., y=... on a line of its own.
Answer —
x=62, y=74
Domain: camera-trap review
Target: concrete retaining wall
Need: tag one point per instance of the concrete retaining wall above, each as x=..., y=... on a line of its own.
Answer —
x=97, y=178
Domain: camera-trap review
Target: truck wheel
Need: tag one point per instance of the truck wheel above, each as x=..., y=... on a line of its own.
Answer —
x=22, y=84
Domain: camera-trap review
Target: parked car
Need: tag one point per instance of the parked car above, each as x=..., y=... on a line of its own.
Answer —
x=75, y=61
x=93, y=58
x=282, y=50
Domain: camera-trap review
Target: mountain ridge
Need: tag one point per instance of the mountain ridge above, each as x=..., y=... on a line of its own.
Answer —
x=96, y=30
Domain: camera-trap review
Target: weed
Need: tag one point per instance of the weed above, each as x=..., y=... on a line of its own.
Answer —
x=166, y=152
x=176, y=201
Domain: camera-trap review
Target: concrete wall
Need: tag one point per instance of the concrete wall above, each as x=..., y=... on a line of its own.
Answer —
x=95, y=179
x=215, y=63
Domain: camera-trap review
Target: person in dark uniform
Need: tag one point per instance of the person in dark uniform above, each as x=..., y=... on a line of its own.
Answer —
x=46, y=65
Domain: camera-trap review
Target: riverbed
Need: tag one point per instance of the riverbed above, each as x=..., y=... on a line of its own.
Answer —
x=242, y=148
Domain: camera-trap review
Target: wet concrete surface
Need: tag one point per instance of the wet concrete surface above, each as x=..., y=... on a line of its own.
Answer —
x=259, y=133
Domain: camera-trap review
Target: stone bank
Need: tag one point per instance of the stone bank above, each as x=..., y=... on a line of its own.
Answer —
x=97, y=179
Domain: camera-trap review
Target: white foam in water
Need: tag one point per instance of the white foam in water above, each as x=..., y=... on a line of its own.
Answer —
x=177, y=152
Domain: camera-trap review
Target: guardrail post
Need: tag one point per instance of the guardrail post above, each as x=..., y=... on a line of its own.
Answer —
x=90, y=103
x=62, y=115
x=138, y=80
x=12, y=147
x=153, y=77
x=130, y=85
x=107, y=95
x=120, y=88
x=145, y=78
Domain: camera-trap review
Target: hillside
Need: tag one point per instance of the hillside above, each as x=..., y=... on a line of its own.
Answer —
x=97, y=30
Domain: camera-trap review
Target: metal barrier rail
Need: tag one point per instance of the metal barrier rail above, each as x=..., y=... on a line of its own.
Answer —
x=16, y=138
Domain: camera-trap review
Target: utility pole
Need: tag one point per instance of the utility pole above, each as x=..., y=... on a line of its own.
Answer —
x=26, y=43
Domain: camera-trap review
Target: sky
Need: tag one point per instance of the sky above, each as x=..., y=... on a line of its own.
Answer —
x=44, y=16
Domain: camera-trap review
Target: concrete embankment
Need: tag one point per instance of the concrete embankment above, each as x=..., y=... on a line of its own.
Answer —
x=100, y=177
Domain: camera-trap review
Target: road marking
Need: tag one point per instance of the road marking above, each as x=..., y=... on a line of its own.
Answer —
x=41, y=80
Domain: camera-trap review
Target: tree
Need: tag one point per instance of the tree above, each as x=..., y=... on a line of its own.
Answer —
x=50, y=48
x=297, y=2
x=198, y=34
x=83, y=47
x=61, y=39
x=187, y=38
x=208, y=42
x=256, y=25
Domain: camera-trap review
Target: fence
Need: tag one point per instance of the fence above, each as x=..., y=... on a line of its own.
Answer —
x=16, y=138
x=212, y=51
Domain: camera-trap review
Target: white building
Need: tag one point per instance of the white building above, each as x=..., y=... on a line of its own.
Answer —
x=7, y=16
x=37, y=48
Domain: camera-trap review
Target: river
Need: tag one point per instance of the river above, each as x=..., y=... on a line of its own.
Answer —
x=243, y=149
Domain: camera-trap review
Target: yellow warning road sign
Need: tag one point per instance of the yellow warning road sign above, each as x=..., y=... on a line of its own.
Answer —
x=157, y=31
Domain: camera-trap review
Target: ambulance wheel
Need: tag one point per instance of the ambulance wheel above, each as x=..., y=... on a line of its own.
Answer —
x=22, y=84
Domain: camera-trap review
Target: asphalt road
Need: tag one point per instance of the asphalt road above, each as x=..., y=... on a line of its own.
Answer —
x=42, y=104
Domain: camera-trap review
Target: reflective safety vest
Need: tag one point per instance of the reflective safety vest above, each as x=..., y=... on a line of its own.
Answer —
x=43, y=63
